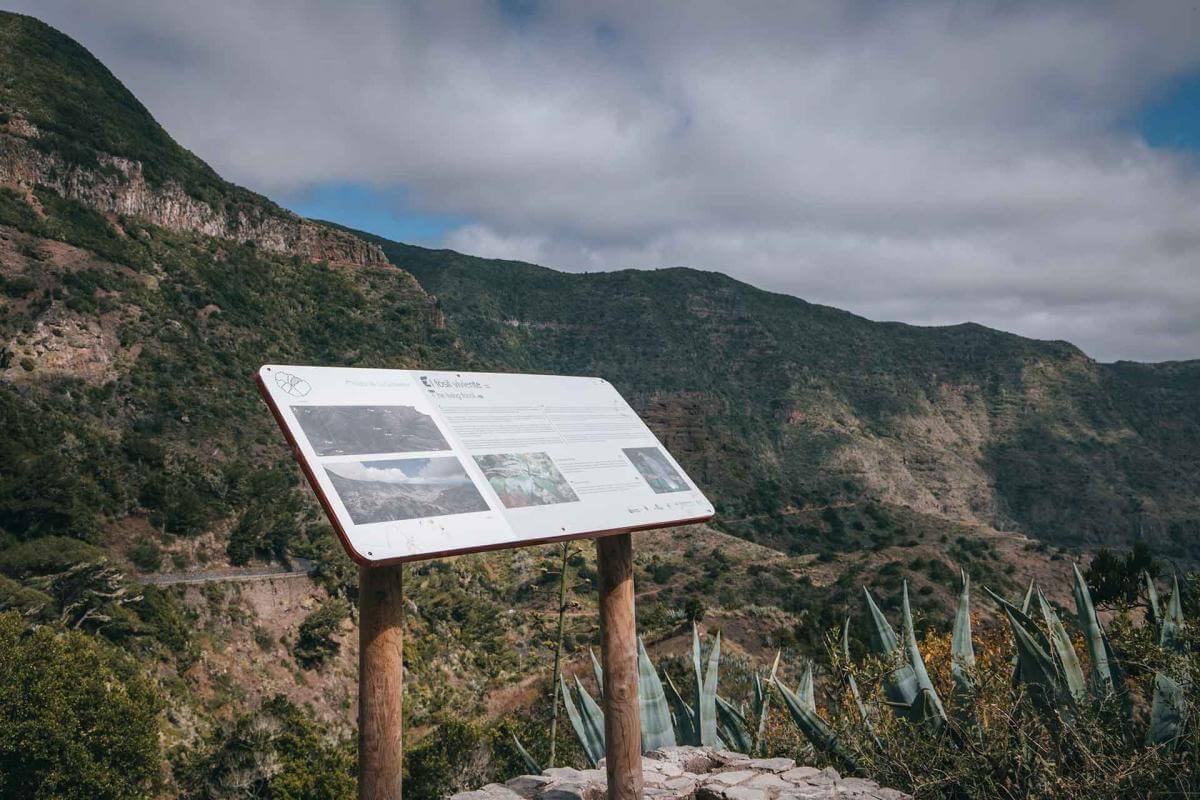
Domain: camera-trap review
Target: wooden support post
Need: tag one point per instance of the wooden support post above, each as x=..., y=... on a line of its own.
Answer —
x=380, y=682
x=618, y=643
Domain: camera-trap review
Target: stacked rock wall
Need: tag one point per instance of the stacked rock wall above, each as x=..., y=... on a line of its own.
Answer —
x=694, y=773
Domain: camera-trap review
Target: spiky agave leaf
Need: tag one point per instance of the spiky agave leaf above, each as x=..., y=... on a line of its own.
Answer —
x=698, y=678
x=686, y=730
x=593, y=715
x=1027, y=602
x=706, y=704
x=1152, y=599
x=657, y=730
x=1064, y=651
x=1168, y=707
x=1016, y=660
x=1036, y=668
x=762, y=703
x=814, y=728
x=882, y=633
x=901, y=688
x=1170, y=636
x=961, y=649
x=1168, y=710
x=1103, y=682
x=900, y=685
x=733, y=728
x=590, y=737
x=531, y=766
x=805, y=690
x=598, y=673
x=931, y=701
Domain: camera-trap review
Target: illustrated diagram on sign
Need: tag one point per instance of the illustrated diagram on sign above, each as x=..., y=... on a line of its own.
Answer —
x=526, y=479
x=656, y=470
x=404, y=488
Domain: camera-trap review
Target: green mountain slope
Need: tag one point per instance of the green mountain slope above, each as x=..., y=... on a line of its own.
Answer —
x=68, y=125
x=776, y=403
x=82, y=110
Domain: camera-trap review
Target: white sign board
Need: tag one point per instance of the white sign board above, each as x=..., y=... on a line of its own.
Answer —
x=414, y=464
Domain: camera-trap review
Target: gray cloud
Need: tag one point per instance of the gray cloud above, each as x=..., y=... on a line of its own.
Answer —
x=929, y=162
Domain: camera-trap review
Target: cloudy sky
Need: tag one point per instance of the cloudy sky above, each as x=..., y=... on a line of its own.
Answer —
x=1030, y=166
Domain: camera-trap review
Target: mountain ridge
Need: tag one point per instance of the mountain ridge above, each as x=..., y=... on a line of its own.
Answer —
x=968, y=325
x=1019, y=418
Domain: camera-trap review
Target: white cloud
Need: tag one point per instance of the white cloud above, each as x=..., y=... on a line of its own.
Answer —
x=439, y=471
x=930, y=162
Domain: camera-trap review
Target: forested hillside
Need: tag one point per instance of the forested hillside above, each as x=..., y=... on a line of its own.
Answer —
x=775, y=403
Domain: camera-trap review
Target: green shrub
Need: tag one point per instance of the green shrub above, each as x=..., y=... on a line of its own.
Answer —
x=1114, y=578
x=277, y=751
x=28, y=602
x=165, y=620
x=146, y=555
x=456, y=756
x=45, y=556
x=80, y=721
x=315, y=643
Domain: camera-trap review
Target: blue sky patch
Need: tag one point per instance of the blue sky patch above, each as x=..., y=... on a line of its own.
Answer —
x=1173, y=121
x=383, y=212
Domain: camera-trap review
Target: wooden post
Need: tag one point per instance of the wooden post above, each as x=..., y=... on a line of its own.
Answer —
x=618, y=643
x=380, y=682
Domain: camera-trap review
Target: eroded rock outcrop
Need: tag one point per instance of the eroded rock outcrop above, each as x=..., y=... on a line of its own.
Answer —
x=119, y=186
x=694, y=773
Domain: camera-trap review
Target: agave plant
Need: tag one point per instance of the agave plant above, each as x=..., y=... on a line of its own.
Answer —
x=1046, y=666
x=666, y=718
x=907, y=686
x=1168, y=708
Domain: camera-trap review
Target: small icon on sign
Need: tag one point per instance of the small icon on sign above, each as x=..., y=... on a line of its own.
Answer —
x=293, y=385
x=425, y=381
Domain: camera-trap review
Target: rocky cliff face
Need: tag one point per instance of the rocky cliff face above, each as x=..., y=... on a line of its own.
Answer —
x=118, y=186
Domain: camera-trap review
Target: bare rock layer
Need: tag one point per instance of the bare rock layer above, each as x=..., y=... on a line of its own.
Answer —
x=118, y=186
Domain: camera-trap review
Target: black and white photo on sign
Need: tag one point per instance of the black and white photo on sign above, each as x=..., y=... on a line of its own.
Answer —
x=656, y=470
x=359, y=430
x=404, y=488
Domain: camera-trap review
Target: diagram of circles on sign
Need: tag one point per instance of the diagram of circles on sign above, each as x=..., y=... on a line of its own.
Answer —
x=292, y=384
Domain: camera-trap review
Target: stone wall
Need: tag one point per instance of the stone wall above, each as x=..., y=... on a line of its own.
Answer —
x=699, y=773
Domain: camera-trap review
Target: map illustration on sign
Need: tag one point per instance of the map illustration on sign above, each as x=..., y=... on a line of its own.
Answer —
x=413, y=464
x=657, y=471
x=526, y=479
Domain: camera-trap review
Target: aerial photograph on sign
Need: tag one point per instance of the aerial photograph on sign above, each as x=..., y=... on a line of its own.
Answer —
x=404, y=488
x=526, y=479
x=656, y=470
x=358, y=430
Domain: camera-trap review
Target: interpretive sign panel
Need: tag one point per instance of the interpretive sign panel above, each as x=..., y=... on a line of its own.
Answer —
x=414, y=464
